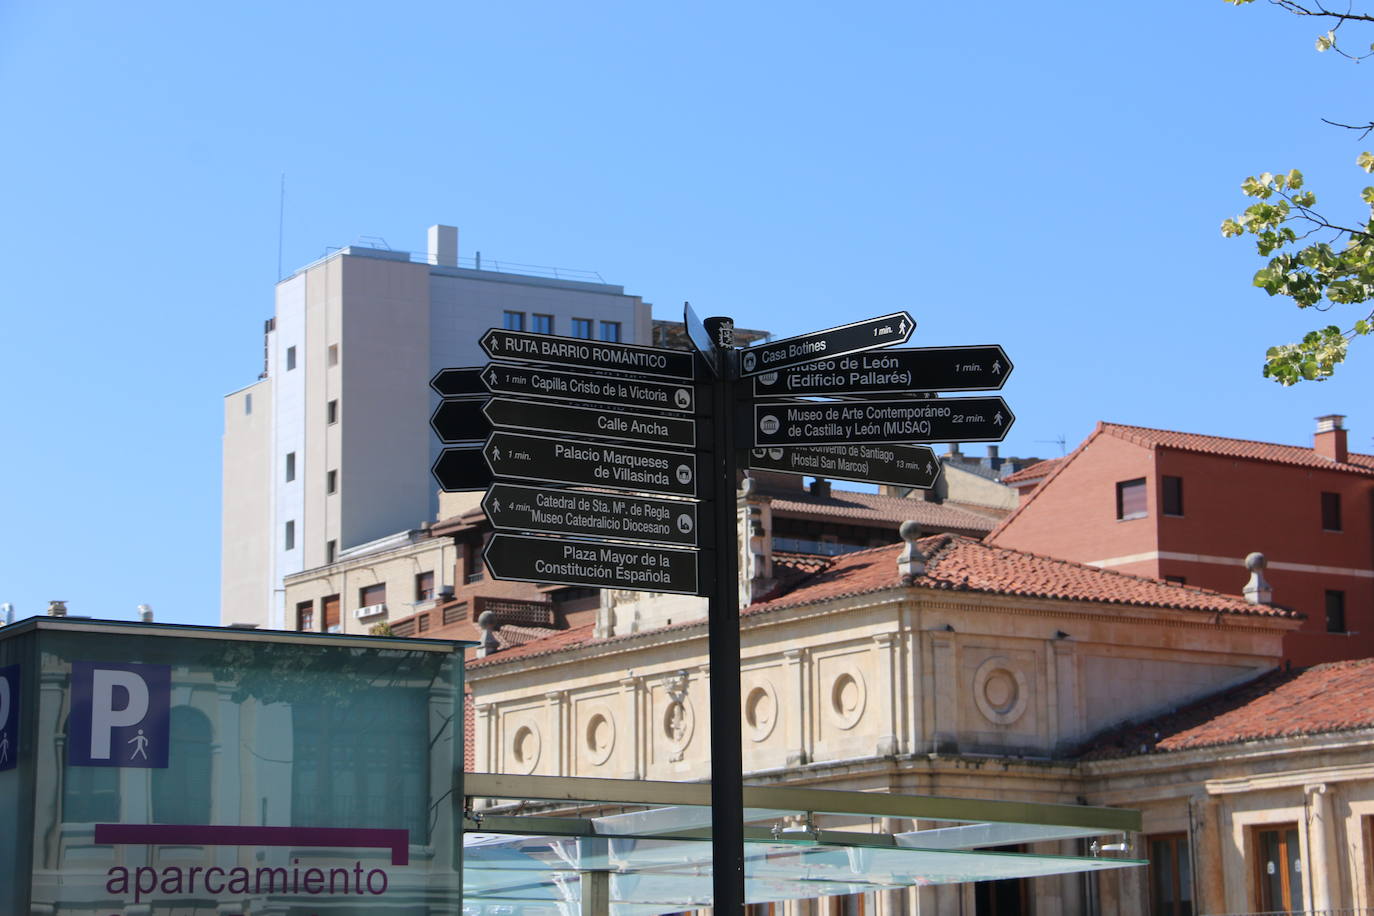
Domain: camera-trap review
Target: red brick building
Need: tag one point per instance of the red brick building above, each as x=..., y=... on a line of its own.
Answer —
x=1189, y=508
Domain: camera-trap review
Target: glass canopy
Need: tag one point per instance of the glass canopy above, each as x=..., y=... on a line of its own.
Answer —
x=799, y=844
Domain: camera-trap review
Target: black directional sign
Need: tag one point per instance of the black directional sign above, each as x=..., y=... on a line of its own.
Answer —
x=892, y=371
x=460, y=421
x=600, y=565
x=592, y=464
x=884, y=331
x=460, y=469
x=899, y=465
x=620, y=390
x=602, y=423
x=587, y=354
x=637, y=518
x=459, y=383
x=983, y=419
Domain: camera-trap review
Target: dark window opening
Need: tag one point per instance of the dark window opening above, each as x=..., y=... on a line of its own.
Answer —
x=369, y=595
x=1171, y=879
x=610, y=331
x=1171, y=495
x=1177, y=580
x=329, y=610
x=1335, y=611
x=1130, y=499
x=1331, y=512
x=424, y=586
x=331, y=412
x=1278, y=869
x=543, y=324
x=513, y=321
x=305, y=616
x=582, y=327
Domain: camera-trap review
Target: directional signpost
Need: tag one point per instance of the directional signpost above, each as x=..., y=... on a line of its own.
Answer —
x=896, y=465
x=628, y=467
x=891, y=371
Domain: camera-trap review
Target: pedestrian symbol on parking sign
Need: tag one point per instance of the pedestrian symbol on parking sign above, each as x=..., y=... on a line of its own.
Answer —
x=120, y=716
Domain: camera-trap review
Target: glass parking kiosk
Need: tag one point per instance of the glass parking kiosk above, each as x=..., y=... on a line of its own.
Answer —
x=153, y=770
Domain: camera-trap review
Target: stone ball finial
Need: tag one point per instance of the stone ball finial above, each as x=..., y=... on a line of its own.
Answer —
x=910, y=562
x=1257, y=590
x=910, y=530
x=748, y=486
x=486, y=620
x=1255, y=561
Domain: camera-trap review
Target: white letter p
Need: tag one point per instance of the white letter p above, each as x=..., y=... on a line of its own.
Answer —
x=104, y=717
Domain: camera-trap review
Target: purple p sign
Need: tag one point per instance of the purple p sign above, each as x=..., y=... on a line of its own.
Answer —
x=9, y=717
x=121, y=715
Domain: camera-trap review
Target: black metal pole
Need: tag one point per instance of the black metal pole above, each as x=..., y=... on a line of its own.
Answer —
x=727, y=761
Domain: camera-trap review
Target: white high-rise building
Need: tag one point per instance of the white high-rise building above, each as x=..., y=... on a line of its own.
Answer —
x=331, y=447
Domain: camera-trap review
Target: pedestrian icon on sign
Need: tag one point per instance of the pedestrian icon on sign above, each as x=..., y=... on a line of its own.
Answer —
x=4, y=748
x=140, y=744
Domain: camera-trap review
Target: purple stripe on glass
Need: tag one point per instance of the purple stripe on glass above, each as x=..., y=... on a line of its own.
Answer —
x=398, y=841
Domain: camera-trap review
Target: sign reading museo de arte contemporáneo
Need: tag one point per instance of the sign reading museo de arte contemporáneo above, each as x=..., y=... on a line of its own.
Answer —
x=891, y=371
x=10, y=704
x=617, y=390
x=980, y=419
x=587, y=354
x=636, y=518
x=599, y=423
x=897, y=465
x=592, y=563
x=121, y=715
x=592, y=464
x=884, y=331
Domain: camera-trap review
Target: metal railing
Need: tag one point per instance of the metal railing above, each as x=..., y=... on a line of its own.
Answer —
x=477, y=262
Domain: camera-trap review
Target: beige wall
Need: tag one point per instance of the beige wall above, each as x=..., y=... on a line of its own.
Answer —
x=396, y=567
x=245, y=542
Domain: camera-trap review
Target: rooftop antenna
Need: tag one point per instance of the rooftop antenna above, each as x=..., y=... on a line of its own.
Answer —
x=1061, y=442
x=281, y=221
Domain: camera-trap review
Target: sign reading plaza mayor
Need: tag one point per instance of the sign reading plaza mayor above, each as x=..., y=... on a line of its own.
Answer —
x=227, y=772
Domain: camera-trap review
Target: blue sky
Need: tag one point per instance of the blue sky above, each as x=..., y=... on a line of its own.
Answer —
x=1050, y=177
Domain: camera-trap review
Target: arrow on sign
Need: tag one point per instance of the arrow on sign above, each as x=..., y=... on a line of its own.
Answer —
x=892, y=371
x=884, y=331
x=459, y=470
x=982, y=419
x=460, y=421
x=593, y=464
x=459, y=383
x=898, y=465
x=587, y=354
x=521, y=558
x=637, y=518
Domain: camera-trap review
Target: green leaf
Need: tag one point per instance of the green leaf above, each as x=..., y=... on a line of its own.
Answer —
x=1365, y=161
x=1324, y=42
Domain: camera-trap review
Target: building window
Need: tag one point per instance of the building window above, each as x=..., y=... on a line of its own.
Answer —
x=247, y=404
x=1130, y=499
x=1177, y=580
x=369, y=595
x=424, y=586
x=290, y=358
x=543, y=324
x=582, y=327
x=1331, y=512
x=180, y=793
x=331, y=412
x=1171, y=878
x=331, y=482
x=329, y=610
x=305, y=616
x=333, y=354
x=1171, y=495
x=513, y=321
x=331, y=552
x=1335, y=611
x=610, y=330
x=289, y=536
x=290, y=466
x=1278, y=869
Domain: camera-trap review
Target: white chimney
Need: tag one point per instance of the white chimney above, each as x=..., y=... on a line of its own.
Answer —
x=443, y=246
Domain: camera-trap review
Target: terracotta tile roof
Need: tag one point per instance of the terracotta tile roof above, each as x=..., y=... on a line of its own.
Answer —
x=859, y=507
x=1237, y=448
x=1033, y=472
x=1335, y=697
x=959, y=563
x=954, y=563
